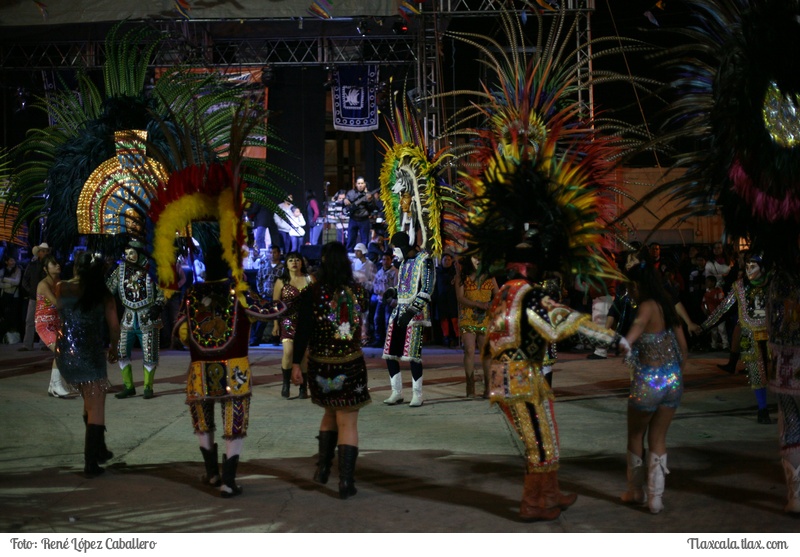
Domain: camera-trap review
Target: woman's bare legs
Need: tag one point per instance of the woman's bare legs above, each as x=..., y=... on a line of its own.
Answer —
x=347, y=423
x=94, y=404
x=288, y=353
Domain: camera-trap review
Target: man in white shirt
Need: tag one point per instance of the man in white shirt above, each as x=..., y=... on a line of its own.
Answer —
x=283, y=222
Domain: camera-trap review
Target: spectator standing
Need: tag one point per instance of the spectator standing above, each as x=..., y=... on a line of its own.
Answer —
x=282, y=221
x=259, y=216
x=34, y=272
x=297, y=231
x=269, y=269
x=313, y=218
x=445, y=302
x=359, y=204
x=10, y=279
x=384, y=290
x=364, y=274
x=377, y=248
x=718, y=266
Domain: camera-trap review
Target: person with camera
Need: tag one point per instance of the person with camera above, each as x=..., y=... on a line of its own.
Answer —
x=359, y=203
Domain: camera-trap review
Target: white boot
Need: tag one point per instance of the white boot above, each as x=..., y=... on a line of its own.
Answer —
x=635, y=493
x=416, y=392
x=396, y=382
x=792, y=474
x=656, y=470
x=57, y=387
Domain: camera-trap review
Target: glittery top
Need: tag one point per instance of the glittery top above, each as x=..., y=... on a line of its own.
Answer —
x=80, y=347
x=655, y=350
x=218, y=325
x=45, y=310
x=330, y=323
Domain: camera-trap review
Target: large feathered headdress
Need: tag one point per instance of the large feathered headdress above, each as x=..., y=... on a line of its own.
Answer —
x=413, y=189
x=207, y=183
x=77, y=174
x=539, y=178
x=737, y=107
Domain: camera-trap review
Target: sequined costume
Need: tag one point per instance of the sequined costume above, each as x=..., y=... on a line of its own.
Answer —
x=80, y=344
x=472, y=319
x=523, y=322
x=46, y=319
x=337, y=373
x=751, y=303
x=655, y=361
x=138, y=293
x=783, y=323
x=216, y=328
x=415, y=282
x=288, y=323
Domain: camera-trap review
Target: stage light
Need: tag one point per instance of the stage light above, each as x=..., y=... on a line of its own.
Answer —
x=400, y=28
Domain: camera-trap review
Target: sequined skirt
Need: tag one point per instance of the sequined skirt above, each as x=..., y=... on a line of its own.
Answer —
x=339, y=384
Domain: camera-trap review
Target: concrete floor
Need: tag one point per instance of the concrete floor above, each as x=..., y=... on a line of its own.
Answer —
x=450, y=466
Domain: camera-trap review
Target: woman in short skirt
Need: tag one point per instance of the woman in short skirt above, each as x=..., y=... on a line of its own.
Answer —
x=329, y=325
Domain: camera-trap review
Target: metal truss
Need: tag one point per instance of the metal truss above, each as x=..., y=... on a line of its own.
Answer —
x=227, y=52
x=196, y=42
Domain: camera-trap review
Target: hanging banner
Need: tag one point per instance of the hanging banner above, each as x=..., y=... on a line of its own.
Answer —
x=355, y=108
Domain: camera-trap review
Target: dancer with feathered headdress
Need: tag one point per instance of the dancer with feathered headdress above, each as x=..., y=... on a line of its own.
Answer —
x=539, y=187
x=413, y=194
x=738, y=81
x=209, y=185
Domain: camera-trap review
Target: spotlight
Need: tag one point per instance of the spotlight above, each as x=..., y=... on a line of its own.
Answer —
x=415, y=98
x=22, y=98
x=400, y=28
x=361, y=28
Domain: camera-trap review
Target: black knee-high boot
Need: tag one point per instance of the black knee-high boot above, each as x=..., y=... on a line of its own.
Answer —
x=327, y=448
x=211, y=461
x=103, y=454
x=347, y=468
x=94, y=436
x=287, y=378
x=229, y=487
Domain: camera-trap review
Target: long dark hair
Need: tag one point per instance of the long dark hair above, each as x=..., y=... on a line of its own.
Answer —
x=286, y=275
x=91, y=272
x=467, y=268
x=335, y=268
x=49, y=258
x=650, y=284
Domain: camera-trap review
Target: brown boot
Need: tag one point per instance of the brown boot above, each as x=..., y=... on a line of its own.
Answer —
x=553, y=495
x=534, y=506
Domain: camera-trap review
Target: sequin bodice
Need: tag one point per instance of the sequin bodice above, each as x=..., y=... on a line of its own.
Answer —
x=80, y=350
x=655, y=350
x=45, y=310
x=337, y=322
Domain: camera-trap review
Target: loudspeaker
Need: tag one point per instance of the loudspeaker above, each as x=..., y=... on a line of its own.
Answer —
x=312, y=253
